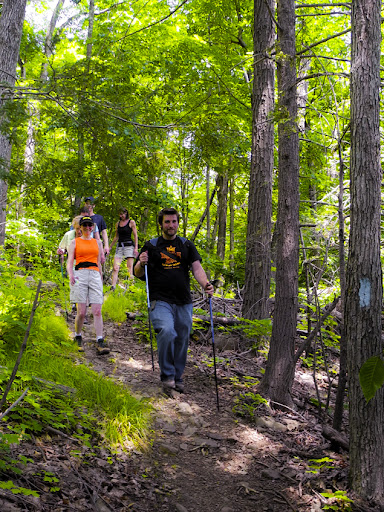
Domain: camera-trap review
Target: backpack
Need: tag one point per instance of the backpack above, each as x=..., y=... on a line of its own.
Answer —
x=172, y=256
x=155, y=240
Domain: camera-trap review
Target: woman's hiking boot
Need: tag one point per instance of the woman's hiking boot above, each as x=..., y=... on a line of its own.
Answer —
x=102, y=347
x=79, y=341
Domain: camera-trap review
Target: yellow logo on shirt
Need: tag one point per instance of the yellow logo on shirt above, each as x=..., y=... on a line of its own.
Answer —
x=168, y=261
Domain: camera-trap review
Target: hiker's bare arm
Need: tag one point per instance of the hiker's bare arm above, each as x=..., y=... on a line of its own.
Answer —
x=71, y=259
x=201, y=277
x=136, y=238
x=139, y=267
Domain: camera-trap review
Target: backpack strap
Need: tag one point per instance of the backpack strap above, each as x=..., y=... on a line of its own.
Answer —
x=154, y=241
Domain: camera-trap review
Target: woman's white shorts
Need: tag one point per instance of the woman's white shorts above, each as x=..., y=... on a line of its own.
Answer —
x=87, y=288
x=124, y=252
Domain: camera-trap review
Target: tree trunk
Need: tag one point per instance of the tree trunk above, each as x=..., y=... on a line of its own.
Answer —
x=11, y=27
x=342, y=382
x=184, y=187
x=34, y=111
x=363, y=301
x=91, y=19
x=205, y=215
x=222, y=195
x=280, y=370
x=258, y=244
x=232, y=224
x=208, y=178
x=82, y=113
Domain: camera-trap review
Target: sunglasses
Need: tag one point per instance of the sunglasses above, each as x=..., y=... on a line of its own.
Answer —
x=87, y=225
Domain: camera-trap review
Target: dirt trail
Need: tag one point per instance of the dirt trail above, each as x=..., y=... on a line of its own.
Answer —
x=207, y=460
x=201, y=459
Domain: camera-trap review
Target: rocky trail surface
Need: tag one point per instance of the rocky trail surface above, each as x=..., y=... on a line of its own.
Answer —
x=201, y=459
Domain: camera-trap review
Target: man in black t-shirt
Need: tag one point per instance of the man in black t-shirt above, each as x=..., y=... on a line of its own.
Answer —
x=169, y=259
x=99, y=221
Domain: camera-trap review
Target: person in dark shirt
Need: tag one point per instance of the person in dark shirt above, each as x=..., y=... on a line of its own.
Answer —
x=99, y=221
x=126, y=247
x=169, y=259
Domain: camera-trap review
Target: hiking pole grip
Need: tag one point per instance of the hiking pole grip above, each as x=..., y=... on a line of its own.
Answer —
x=214, y=352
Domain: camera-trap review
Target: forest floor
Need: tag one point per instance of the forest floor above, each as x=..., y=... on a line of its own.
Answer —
x=200, y=459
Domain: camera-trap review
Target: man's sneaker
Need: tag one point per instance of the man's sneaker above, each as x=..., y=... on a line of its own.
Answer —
x=102, y=347
x=168, y=386
x=179, y=386
x=79, y=341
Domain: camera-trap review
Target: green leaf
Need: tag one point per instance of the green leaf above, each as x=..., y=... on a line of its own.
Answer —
x=371, y=377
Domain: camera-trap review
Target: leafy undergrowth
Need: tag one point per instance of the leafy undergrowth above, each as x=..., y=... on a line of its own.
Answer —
x=82, y=440
x=54, y=391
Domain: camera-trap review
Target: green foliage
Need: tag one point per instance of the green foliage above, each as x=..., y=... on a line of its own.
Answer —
x=121, y=301
x=256, y=328
x=210, y=362
x=248, y=405
x=10, y=486
x=116, y=306
x=317, y=465
x=50, y=362
x=246, y=382
x=337, y=500
x=371, y=376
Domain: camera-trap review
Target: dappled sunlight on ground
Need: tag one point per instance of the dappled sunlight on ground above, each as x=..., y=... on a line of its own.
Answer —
x=205, y=459
x=135, y=364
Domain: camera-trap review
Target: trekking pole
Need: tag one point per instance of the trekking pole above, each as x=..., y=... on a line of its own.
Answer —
x=214, y=353
x=62, y=281
x=149, y=319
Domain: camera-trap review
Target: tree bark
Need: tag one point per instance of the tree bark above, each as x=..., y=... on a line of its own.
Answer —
x=363, y=301
x=280, y=370
x=222, y=195
x=259, y=227
x=205, y=214
x=232, y=224
x=11, y=27
x=208, y=177
x=342, y=382
x=34, y=111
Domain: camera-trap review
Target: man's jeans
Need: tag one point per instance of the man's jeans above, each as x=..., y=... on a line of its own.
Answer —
x=172, y=324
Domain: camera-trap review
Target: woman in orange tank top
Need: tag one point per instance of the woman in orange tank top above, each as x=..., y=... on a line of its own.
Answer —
x=86, y=282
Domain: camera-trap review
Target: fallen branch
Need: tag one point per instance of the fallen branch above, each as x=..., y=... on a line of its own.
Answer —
x=335, y=437
x=220, y=320
x=57, y=387
x=22, y=348
x=59, y=433
x=14, y=404
x=316, y=329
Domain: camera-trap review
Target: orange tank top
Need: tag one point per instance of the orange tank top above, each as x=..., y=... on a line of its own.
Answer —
x=86, y=254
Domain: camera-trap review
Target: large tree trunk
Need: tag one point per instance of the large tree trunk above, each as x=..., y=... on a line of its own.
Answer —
x=205, y=214
x=342, y=382
x=34, y=111
x=363, y=301
x=11, y=27
x=222, y=196
x=280, y=370
x=207, y=180
x=82, y=113
x=258, y=245
x=232, y=224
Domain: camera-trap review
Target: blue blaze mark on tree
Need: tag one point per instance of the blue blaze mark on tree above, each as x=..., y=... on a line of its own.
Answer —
x=365, y=293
